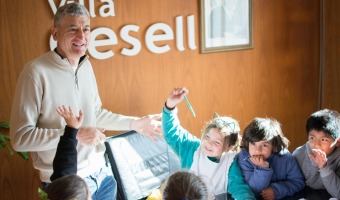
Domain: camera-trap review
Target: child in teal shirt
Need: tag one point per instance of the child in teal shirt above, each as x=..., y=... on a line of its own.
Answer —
x=213, y=156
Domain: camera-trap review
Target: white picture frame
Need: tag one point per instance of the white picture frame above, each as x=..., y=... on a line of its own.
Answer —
x=226, y=25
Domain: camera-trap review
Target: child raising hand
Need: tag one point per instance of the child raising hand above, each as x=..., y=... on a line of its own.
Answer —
x=212, y=157
x=65, y=161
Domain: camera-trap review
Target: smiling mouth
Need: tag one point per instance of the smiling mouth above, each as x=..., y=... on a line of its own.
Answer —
x=79, y=45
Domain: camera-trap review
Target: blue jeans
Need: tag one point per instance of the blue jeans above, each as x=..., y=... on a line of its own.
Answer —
x=102, y=184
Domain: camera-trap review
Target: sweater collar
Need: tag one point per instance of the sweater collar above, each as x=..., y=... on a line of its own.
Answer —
x=82, y=58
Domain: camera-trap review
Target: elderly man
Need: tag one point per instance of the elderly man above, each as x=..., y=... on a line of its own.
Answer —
x=65, y=77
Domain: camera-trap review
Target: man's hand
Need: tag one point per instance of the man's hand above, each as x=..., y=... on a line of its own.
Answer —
x=90, y=136
x=258, y=160
x=148, y=125
x=268, y=194
x=319, y=157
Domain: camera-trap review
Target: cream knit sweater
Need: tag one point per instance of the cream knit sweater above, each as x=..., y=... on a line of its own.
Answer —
x=44, y=84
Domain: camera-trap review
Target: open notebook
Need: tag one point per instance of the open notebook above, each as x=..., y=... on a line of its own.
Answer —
x=139, y=164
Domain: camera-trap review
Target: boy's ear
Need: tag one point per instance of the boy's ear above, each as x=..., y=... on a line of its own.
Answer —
x=338, y=143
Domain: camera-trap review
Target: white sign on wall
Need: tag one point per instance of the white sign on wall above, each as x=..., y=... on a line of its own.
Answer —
x=107, y=10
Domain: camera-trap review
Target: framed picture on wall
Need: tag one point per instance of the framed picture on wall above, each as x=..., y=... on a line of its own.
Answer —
x=226, y=25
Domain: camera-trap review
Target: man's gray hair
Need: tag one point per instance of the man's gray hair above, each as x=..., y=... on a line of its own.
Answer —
x=73, y=9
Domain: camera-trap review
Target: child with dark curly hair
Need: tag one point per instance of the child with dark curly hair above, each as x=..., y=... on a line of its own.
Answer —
x=268, y=167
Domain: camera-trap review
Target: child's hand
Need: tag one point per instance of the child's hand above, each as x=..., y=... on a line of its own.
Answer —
x=268, y=194
x=70, y=118
x=176, y=96
x=258, y=160
x=319, y=157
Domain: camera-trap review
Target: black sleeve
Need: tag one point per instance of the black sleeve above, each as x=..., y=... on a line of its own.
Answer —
x=65, y=160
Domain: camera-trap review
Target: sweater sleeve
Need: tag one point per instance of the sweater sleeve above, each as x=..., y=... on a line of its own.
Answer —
x=237, y=186
x=331, y=180
x=65, y=160
x=294, y=179
x=111, y=121
x=26, y=110
x=180, y=140
x=257, y=177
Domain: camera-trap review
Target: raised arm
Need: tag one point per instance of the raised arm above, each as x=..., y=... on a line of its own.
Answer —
x=179, y=139
x=65, y=160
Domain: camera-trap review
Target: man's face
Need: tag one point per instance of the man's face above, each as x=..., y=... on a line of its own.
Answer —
x=72, y=36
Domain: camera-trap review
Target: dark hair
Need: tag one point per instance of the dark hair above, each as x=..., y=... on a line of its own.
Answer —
x=185, y=185
x=73, y=9
x=265, y=129
x=68, y=187
x=324, y=120
x=228, y=127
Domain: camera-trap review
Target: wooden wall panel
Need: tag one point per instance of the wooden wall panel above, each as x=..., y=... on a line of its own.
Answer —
x=331, y=69
x=278, y=78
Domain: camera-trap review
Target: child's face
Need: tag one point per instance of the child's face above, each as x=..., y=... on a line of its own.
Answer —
x=322, y=141
x=212, y=143
x=261, y=148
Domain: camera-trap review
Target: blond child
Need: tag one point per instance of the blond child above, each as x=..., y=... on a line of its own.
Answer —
x=211, y=157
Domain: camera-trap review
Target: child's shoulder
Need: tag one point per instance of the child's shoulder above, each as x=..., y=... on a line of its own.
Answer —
x=336, y=153
x=285, y=154
x=242, y=155
x=300, y=150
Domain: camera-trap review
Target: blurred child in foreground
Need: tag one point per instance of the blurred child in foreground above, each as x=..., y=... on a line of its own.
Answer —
x=182, y=185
